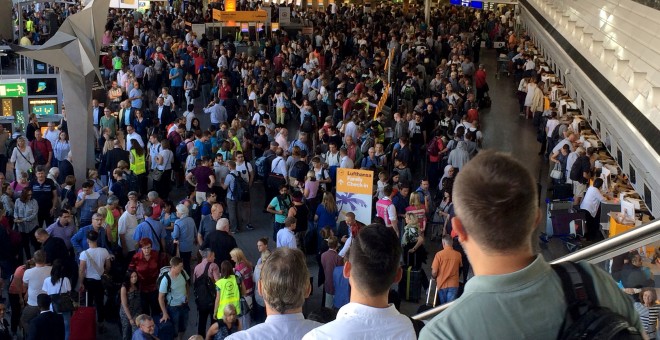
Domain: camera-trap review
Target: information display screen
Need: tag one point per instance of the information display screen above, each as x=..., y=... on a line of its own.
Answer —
x=43, y=106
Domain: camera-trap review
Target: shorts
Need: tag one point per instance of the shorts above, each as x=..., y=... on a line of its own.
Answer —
x=179, y=317
x=579, y=189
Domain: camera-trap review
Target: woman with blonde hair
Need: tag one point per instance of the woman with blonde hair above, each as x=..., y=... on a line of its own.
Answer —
x=22, y=159
x=326, y=212
x=412, y=242
x=419, y=209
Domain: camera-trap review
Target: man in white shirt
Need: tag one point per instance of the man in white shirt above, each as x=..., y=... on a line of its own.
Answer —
x=372, y=266
x=284, y=285
x=346, y=162
x=33, y=281
x=132, y=135
x=217, y=113
x=126, y=227
x=93, y=263
x=278, y=165
x=590, y=205
x=286, y=237
x=332, y=157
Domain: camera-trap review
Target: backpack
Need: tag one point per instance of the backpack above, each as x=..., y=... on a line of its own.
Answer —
x=432, y=148
x=299, y=170
x=204, y=290
x=10, y=144
x=241, y=189
x=555, y=134
x=132, y=181
x=182, y=151
x=408, y=92
x=575, y=174
x=164, y=274
x=263, y=164
x=585, y=319
x=307, y=125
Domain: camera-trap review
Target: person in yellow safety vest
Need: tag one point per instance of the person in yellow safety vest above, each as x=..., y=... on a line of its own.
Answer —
x=29, y=25
x=138, y=165
x=229, y=291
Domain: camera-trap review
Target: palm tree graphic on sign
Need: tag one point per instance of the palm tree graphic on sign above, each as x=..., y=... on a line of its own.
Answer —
x=350, y=199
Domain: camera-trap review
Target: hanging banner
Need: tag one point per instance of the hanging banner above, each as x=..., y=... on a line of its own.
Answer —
x=285, y=15
x=240, y=16
x=124, y=4
x=355, y=193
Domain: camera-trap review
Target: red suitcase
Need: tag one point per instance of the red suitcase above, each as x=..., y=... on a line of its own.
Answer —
x=83, y=322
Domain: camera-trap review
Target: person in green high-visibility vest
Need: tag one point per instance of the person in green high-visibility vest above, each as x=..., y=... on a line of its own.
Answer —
x=138, y=165
x=229, y=290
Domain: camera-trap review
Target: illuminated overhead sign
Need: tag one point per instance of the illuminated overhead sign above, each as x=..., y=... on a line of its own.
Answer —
x=43, y=106
x=13, y=90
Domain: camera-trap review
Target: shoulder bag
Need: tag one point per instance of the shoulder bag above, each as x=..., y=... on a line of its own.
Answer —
x=62, y=302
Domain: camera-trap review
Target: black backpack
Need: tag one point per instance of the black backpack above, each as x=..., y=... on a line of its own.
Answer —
x=307, y=125
x=585, y=319
x=241, y=190
x=204, y=290
x=182, y=151
x=164, y=274
x=299, y=171
x=132, y=181
x=10, y=146
x=555, y=134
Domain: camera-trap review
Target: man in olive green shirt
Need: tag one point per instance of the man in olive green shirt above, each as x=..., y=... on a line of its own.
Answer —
x=514, y=294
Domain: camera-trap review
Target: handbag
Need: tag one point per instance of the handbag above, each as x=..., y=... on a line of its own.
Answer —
x=156, y=174
x=194, y=93
x=556, y=172
x=62, y=302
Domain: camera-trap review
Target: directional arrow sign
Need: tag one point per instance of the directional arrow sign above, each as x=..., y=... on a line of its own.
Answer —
x=13, y=90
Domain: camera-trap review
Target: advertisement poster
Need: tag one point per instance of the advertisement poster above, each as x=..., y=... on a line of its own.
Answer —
x=355, y=193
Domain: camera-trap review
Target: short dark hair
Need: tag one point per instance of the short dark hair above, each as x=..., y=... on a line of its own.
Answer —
x=44, y=301
x=598, y=183
x=92, y=235
x=374, y=259
x=491, y=192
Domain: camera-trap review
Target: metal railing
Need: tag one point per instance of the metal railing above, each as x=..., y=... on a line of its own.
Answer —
x=596, y=253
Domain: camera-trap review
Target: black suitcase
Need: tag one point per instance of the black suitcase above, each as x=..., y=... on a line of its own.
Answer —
x=562, y=191
x=410, y=286
x=430, y=300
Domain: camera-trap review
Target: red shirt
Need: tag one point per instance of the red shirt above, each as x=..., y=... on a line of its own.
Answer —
x=147, y=270
x=480, y=79
x=42, y=148
x=223, y=92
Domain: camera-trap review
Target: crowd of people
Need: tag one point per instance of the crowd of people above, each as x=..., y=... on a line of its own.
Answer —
x=154, y=225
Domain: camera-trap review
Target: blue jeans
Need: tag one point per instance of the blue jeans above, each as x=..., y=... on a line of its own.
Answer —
x=447, y=294
x=67, y=322
x=179, y=316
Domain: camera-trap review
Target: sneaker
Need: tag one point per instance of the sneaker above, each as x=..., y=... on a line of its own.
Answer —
x=249, y=227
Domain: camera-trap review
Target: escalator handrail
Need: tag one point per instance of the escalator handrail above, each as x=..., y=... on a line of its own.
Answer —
x=598, y=252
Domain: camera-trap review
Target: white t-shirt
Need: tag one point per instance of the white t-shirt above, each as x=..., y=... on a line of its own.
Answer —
x=51, y=289
x=244, y=169
x=551, y=125
x=98, y=255
x=34, y=278
x=126, y=226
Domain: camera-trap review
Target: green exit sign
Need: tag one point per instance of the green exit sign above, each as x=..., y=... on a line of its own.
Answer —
x=13, y=90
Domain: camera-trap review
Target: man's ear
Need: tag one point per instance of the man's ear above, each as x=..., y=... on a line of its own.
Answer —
x=457, y=226
x=347, y=269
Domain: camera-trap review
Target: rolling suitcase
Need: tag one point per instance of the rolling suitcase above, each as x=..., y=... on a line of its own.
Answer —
x=83, y=322
x=430, y=302
x=410, y=287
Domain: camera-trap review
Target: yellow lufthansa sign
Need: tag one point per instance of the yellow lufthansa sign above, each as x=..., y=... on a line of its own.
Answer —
x=241, y=16
x=355, y=181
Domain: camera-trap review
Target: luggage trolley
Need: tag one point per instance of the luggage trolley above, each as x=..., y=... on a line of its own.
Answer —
x=502, y=66
x=564, y=223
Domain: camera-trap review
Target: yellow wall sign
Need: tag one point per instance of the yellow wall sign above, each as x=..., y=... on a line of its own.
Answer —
x=355, y=181
x=241, y=16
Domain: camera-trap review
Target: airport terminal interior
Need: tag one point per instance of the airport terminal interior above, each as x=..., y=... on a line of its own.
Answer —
x=223, y=121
